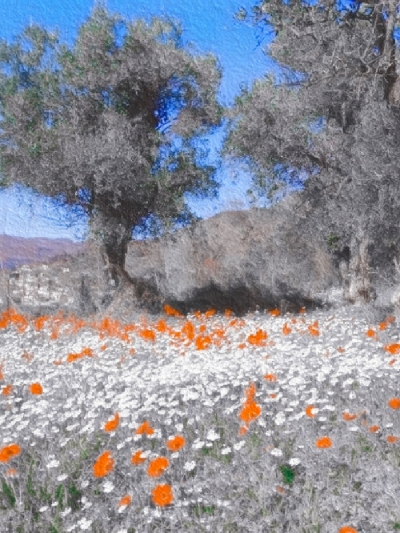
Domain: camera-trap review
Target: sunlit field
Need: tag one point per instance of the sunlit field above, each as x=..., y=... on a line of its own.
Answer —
x=207, y=422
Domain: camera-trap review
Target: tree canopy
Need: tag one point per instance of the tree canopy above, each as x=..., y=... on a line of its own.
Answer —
x=90, y=124
x=350, y=81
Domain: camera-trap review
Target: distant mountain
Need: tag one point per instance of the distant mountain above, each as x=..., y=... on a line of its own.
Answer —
x=17, y=251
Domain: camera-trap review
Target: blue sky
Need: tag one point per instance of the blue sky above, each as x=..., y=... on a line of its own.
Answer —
x=210, y=26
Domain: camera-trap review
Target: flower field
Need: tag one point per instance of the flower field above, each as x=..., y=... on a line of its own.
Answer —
x=207, y=422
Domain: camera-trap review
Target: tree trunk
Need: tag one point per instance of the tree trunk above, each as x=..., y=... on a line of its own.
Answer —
x=360, y=290
x=115, y=236
x=116, y=247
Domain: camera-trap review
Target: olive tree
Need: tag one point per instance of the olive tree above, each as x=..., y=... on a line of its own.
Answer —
x=341, y=67
x=85, y=127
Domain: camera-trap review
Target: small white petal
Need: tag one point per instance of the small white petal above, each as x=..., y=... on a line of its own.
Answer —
x=226, y=450
x=276, y=452
x=189, y=466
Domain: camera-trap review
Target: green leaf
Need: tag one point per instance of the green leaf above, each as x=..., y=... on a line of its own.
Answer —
x=287, y=473
x=74, y=497
x=44, y=495
x=60, y=495
x=29, y=484
x=332, y=240
x=34, y=150
x=8, y=492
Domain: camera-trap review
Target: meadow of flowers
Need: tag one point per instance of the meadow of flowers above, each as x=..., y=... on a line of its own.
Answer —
x=207, y=422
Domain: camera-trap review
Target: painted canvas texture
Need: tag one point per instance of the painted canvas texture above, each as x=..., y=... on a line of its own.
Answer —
x=199, y=266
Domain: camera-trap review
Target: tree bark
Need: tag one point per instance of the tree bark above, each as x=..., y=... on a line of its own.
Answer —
x=360, y=290
x=114, y=234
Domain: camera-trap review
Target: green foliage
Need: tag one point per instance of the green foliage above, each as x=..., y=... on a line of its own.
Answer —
x=60, y=491
x=288, y=474
x=35, y=150
x=44, y=495
x=203, y=509
x=332, y=241
x=29, y=485
x=272, y=190
x=8, y=493
x=74, y=496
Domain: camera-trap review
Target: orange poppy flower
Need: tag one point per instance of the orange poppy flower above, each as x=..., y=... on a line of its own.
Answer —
x=394, y=403
x=202, y=343
x=148, y=334
x=7, y=390
x=392, y=348
x=371, y=333
x=136, y=459
x=104, y=465
x=348, y=417
x=286, y=329
x=170, y=311
x=39, y=322
x=112, y=424
x=145, y=428
x=8, y=452
x=158, y=467
x=258, y=339
x=36, y=388
x=250, y=412
x=176, y=444
x=309, y=412
x=313, y=329
x=188, y=330
x=243, y=430
x=162, y=495
x=325, y=442
x=126, y=500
